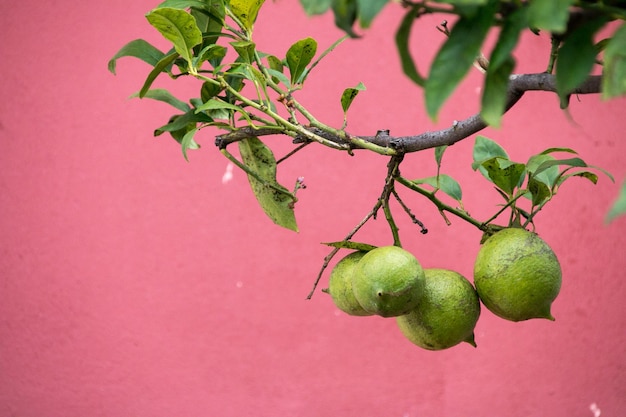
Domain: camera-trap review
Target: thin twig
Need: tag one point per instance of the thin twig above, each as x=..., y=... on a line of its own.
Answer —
x=331, y=255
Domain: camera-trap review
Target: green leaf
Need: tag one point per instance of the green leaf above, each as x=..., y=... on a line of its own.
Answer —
x=445, y=183
x=539, y=191
x=213, y=53
x=402, y=43
x=576, y=57
x=614, y=70
x=485, y=149
x=180, y=122
x=345, y=12
x=275, y=200
x=313, y=7
x=279, y=76
x=501, y=65
x=299, y=56
x=166, y=97
x=552, y=150
x=217, y=104
x=494, y=96
x=583, y=174
x=188, y=142
x=619, y=206
x=508, y=37
x=186, y=4
x=164, y=65
x=465, y=2
x=246, y=11
x=245, y=50
x=368, y=10
x=348, y=244
x=507, y=175
x=439, y=151
x=179, y=27
x=349, y=95
x=210, y=21
x=456, y=56
x=571, y=162
x=549, y=15
x=138, y=49
x=547, y=176
x=208, y=91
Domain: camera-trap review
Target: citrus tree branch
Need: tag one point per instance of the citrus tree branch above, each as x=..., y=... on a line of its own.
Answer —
x=386, y=144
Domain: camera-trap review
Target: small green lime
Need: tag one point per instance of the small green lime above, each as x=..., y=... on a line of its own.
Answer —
x=447, y=313
x=517, y=275
x=340, y=285
x=388, y=281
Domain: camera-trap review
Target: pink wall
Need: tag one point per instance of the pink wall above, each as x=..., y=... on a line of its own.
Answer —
x=133, y=283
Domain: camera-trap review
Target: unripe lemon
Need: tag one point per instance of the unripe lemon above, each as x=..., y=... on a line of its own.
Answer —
x=517, y=275
x=388, y=281
x=340, y=285
x=447, y=313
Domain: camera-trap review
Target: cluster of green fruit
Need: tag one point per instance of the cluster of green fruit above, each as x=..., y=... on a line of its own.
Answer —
x=516, y=276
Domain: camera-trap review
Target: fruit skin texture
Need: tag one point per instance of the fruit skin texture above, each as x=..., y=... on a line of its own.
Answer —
x=340, y=285
x=388, y=281
x=447, y=313
x=517, y=275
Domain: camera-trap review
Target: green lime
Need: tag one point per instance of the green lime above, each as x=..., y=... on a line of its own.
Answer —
x=388, y=281
x=340, y=285
x=517, y=275
x=447, y=313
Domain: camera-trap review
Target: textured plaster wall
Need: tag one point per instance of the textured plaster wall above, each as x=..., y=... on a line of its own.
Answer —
x=133, y=283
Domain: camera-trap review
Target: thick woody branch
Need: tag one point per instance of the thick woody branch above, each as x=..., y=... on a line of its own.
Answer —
x=518, y=85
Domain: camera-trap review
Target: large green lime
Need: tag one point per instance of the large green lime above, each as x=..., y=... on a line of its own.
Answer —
x=340, y=285
x=517, y=275
x=447, y=313
x=388, y=281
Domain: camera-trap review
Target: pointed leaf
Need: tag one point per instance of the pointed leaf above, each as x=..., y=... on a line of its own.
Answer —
x=539, y=191
x=456, y=56
x=368, y=9
x=348, y=244
x=138, y=49
x=614, y=70
x=188, y=142
x=349, y=95
x=345, y=12
x=485, y=149
x=445, y=183
x=275, y=200
x=245, y=50
x=549, y=15
x=495, y=93
x=164, y=65
x=571, y=162
x=299, y=56
x=212, y=53
x=217, y=104
x=547, y=176
x=577, y=56
x=177, y=26
x=402, y=43
x=505, y=174
x=552, y=150
x=246, y=11
x=166, y=97
x=619, y=206
x=313, y=7
x=439, y=151
x=512, y=27
x=181, y=121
